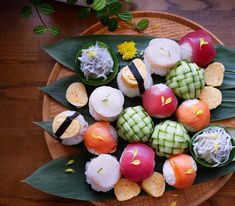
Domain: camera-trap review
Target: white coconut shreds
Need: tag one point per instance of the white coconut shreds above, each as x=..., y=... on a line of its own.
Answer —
x=213, y=145
x=186, y=51
x=96, y=62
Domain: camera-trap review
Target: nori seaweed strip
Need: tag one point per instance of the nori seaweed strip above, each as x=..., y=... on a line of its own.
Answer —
x=137, y=76
x=60, y=131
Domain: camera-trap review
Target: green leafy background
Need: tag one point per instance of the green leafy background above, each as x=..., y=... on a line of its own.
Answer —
x=51, y=178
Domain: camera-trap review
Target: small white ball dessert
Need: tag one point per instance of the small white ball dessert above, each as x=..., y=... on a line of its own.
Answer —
x=161, y=55
x=106, y=103
x=103, y=172
x=134, y=78
x=69, y=127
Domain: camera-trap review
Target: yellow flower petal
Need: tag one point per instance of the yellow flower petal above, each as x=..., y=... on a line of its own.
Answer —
x=127, y=50
x=173, y=203
x=135, y=162
x=203, y=42
x=190, y=171
x=91, y=54
x=97, y=137
x=135, y=152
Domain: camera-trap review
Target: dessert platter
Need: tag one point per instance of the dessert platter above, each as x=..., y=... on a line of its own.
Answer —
x=139, y=118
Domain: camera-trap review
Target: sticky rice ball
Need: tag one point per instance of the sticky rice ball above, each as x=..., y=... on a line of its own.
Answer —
x=161, y=55
x=159, y=101
x=100, y=138
x=180, y=171
x=102, y=173
x=106, y=103
x=137, y=162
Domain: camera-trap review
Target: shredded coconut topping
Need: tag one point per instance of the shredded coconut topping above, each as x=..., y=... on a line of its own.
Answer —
x=213, y=145
x=96, y=62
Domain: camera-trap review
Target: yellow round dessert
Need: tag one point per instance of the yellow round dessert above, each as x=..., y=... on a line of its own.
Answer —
x=76, y=94
x=72, y=130
x=127, y=76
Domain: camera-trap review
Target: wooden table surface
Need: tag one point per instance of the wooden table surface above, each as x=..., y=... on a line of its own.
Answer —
x=25, y=67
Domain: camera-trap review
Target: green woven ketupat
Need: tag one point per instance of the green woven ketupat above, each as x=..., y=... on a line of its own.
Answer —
x=134, y=125
x=186, y=79
x=169, y=138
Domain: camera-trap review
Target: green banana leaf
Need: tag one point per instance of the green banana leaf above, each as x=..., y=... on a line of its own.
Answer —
x=64, y=52
x=57, y=91
x=52, y=178
x=226, y=56
x=47, y=125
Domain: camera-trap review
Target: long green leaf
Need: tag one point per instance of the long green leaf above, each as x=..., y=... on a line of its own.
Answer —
x=229, y=80
x=64, y=51
x=228, y=95
x=226, y=56
x=53, y=179
x=47, y=125
x=57, y=91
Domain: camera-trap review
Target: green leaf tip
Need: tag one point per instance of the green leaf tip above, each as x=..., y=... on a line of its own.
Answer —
x=46, y=8
x=112, y=24
x=54, y=30
x=99, y=4
x=142, y=24
x=26, y=11
x=40, y=30
x=84, y=13
x=125, y=16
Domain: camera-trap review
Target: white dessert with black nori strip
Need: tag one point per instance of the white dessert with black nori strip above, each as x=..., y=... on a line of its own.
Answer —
x=75, y=132
x=103, y=172
x=127, y=82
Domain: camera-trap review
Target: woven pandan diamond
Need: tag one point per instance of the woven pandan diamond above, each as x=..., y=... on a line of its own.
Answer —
x=134, y=125
x=169, y=138
x=186, y=79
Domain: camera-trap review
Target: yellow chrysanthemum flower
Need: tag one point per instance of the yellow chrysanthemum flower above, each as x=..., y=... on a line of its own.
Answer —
x=127, y=50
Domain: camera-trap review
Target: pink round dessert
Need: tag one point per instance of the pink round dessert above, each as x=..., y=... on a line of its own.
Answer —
x=159, y=101
x=137, y=162
x=198, y=48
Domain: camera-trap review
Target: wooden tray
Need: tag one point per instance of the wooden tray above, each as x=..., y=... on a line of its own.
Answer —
x=161, y=25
